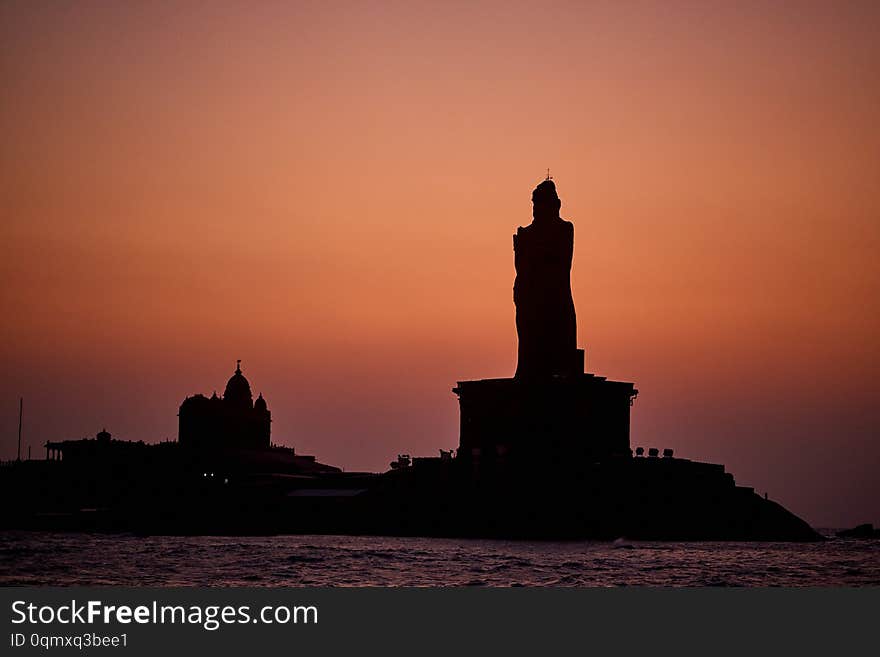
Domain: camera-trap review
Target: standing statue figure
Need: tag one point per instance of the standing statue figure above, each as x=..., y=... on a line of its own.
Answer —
x=545, y=318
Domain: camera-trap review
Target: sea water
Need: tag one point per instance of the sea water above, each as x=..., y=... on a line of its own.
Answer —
x=64, y=559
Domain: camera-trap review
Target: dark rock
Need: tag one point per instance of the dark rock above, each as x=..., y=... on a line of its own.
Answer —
x=861, y=531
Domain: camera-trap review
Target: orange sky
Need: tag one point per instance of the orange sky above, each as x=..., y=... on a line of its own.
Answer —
x=328, y=192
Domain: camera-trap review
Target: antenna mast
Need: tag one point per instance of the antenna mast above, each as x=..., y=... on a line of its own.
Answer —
x=20, y=409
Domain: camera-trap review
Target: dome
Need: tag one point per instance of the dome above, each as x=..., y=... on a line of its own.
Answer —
x=260, y=404
x=238, y=390
x=193, y=401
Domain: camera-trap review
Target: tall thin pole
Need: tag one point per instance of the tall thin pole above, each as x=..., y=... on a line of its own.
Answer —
x=20, y=409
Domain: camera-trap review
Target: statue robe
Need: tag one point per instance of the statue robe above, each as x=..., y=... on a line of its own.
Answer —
x=545, y=317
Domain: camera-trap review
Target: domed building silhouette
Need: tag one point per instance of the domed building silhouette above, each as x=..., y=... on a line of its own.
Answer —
x=231, y=421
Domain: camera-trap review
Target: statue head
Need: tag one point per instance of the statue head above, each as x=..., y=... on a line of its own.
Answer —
x=545, y=201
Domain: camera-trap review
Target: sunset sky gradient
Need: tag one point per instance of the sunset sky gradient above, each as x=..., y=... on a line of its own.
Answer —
x=328, y=192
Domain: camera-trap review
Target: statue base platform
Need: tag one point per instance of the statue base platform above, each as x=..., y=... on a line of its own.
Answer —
x=583, y=416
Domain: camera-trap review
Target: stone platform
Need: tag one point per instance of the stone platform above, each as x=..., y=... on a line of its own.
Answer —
x=560, y=418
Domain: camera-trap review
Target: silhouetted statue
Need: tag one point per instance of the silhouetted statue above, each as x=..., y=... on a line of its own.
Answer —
x=545, y=318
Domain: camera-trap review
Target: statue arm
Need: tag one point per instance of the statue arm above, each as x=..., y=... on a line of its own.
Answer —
x=516, y=253
x=569, y=244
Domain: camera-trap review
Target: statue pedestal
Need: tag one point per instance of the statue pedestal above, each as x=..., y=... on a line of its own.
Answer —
x=550, y=421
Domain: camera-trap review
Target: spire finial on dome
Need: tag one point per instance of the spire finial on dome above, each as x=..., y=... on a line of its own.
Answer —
x=238, y=366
